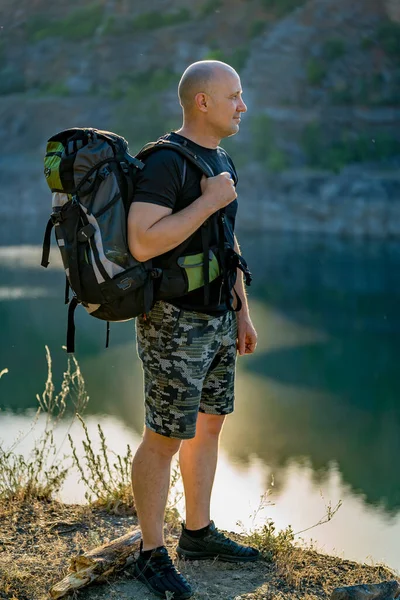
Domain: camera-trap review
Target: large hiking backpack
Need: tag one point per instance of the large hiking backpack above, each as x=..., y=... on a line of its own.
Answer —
x=92, y=177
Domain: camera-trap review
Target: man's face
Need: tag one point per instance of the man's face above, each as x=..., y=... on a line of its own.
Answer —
x=225, y=104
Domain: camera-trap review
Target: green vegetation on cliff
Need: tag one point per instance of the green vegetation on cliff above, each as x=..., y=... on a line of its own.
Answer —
x=290, y=54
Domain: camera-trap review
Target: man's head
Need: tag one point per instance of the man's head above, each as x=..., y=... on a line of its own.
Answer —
x=210, y=94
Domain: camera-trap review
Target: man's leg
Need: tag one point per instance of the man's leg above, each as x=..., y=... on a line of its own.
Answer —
x=151, y=469
x=200, y=539
x=198, y=460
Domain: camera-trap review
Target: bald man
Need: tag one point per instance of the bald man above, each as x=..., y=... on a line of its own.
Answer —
x=188, y=347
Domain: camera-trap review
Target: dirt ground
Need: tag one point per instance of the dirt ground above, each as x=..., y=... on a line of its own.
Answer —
x=37, y=541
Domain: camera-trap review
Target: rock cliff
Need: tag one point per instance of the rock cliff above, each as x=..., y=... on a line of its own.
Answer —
x=319, y=147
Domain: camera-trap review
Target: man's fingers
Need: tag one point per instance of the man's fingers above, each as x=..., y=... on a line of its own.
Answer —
x=241, y=346
x=246, y=342
x=250, y=344
x=250, y=348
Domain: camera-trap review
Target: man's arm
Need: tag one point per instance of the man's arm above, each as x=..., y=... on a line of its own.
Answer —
x=154, y=230
x=247, y=335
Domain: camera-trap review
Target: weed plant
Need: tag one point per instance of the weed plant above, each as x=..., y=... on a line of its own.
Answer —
x=348, y=148
x=333, y=49
x=271, y=543
x=107, y=484
x=264, y=147
x=105, y=474
x=278, y=546
x=136, y=88
x=42, y=473
x=79, y=24
x=256, y=28
x=316, y=71
x=389, y=39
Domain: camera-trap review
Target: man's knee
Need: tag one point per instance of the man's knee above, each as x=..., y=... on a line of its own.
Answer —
x=210, y=425
x=160, y=444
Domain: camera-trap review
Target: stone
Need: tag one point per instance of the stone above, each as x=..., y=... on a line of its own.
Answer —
x=331, y=190
x=386, y=590
x=368, y=189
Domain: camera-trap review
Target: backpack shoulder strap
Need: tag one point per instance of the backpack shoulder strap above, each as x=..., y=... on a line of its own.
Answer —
x=198, y=161
x=204, y=167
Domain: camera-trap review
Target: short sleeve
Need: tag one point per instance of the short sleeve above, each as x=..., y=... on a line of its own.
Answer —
x=159, y=182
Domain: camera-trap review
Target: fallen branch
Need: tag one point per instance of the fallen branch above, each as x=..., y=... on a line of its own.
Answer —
x=99, y=563
x=386, y=590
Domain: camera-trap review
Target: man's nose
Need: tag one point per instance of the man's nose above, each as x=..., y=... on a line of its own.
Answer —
x=242, y=107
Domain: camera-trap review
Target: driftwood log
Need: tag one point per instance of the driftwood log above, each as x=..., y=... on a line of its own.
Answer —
x=386, y=590
x=99, y=563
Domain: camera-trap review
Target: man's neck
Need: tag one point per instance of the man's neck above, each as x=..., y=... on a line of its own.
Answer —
x=200, y=138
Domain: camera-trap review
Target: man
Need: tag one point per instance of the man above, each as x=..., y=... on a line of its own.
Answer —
x=188, y=347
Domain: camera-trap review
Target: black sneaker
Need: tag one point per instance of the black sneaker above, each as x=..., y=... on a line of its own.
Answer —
x=160, y=575
x=214, y=545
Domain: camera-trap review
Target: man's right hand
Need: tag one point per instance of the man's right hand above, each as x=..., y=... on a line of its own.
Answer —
x=219, y=191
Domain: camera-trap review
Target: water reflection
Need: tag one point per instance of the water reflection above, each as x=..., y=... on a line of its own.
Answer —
x=324, y=384
x=18, y=293
x=320, y=395
x=356, y=532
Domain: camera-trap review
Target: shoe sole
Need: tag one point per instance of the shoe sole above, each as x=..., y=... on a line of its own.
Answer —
x=190, y=555
x=143, y=579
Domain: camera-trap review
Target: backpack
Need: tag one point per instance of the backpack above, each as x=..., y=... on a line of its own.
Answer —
x=92, y=177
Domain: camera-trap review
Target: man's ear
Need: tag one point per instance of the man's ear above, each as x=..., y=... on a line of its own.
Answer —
x=201, y=100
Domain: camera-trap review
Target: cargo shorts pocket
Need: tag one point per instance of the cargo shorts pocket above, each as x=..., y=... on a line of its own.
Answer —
x=162, y=324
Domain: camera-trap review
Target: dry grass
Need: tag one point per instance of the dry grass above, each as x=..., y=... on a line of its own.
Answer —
x=41, y=474
x=38, y=539
x=107, y=484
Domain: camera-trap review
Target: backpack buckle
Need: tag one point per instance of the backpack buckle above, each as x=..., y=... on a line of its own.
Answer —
x=104, y=173
x=155, y=273
x=124, y=167
x=56, y=217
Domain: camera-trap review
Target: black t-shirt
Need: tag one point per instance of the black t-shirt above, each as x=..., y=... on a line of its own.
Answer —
x=160, y=182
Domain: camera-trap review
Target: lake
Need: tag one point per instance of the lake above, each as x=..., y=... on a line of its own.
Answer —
x=317, y=416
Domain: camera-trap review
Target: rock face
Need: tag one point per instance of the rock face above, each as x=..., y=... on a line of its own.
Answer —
x=279, y=58
x=51, y=82
x=386, y=590
x=357, y=202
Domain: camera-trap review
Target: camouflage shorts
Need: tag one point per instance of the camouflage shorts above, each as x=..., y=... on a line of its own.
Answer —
x=189, y=366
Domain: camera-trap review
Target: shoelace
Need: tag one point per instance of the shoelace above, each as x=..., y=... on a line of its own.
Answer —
x=159, y=564
x=223, y=539
x=162, y=564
